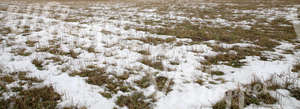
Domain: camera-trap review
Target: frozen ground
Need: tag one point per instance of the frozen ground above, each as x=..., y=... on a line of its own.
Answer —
x=105, y=55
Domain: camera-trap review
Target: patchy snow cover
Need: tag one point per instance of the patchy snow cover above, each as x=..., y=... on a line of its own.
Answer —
x=115, y=52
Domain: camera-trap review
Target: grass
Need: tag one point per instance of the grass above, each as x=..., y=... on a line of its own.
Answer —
x=254, y=93
x=295, y=92
x=144, y=82
x=44, y=97
x=144, y=52
x=154, y=64
x=218, y=73
x=154, y=40
x=98, y=76
x=136, y=100
x=162, y=83
x=38, y=64
x=21, y=52
x=8, y=79
x=296, y=67
x=200, y=81
x=30, y=43
x=5, y=30
x=232, y=56
x=257, y=99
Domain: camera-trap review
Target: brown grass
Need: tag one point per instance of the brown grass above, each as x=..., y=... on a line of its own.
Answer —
x=296, y=67
x=33, y=98
x=21, y=52
x=136, y=100
x=38, y=64
x=99, y=76
x=154, y=64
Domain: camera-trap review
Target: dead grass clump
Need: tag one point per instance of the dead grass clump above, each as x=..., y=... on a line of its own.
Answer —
x=99, y=76
x=144, y=52
x=163, y=82
x=55, y=59
x=30, y=43
x=144, y=82
x=251, y=98
x=38, y=64
x=154, y=64
x=23, y=76
x=21, y=52
x=296, y=67
x=33, y=98
x=136, y=100
x=106, y=32
x=5, y=30
x=254, y=93
x=218, y=73
x=154, y=40
x=74, y=54
x=229, y=59
x=295, y=92
x=53, y=49
x=6, y=78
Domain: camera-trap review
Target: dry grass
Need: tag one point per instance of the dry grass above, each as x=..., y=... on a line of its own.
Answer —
x=154, y=40
x=38, y=64
x=136, y=100
x=30, y=43
x=99, y=76
x=21, y=52
x=232, y=56
x=296, y=68
x=154, y=64
x=44, y=97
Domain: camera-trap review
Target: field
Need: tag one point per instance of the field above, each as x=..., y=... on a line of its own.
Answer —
x=149, y=54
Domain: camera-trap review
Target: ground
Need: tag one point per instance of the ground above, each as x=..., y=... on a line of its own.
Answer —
x=185, y=54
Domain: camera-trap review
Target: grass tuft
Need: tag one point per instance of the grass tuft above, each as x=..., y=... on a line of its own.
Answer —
x=136, y=100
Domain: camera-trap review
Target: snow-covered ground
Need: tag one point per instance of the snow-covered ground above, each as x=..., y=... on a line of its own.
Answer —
x=98, y=35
